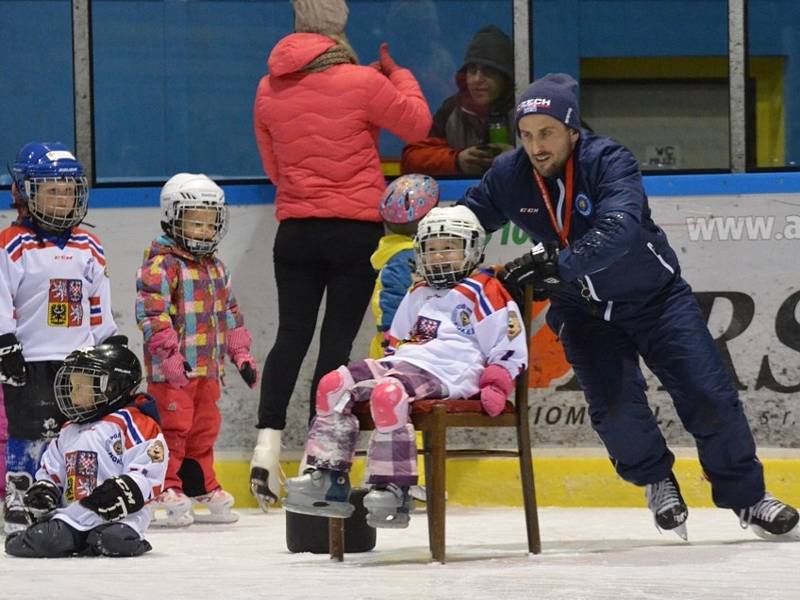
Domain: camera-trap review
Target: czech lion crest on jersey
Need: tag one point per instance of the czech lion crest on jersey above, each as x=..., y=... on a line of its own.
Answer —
x=65, y=303
x=424, y=330
x=462, y=319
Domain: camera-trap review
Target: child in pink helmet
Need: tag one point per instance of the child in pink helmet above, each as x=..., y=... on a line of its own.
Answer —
x=406, y=200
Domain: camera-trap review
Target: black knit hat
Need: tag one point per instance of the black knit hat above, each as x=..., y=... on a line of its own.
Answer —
x=556, y=95
x=493, y=48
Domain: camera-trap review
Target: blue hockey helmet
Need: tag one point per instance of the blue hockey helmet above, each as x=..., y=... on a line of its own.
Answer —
x=52, y=184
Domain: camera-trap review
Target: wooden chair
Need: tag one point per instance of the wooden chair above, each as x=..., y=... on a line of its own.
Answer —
x=433, y=418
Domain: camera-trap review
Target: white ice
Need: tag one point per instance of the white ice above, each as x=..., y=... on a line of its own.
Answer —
x=587, y=554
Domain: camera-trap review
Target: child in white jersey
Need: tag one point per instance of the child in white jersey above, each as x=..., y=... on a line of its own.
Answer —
x=55, y=296
x=456, y=334
x=107, y=461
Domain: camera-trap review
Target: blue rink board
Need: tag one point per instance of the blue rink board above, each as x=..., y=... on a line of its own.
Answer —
x=452, y=189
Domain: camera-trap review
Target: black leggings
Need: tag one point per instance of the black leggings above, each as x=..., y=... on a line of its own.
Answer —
x=312, y=257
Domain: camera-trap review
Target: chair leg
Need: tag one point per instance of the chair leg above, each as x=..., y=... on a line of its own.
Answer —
x=436, y=482
x=528, y=485
x=336, y=539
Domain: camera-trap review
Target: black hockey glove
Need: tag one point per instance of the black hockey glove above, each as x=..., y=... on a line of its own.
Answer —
x=12, y=364
x=115, y=498
x=538, y=268
x=42, y=498
x=249, y=375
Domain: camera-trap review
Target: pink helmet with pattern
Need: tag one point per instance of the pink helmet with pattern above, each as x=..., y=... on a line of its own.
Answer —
x=409, y=198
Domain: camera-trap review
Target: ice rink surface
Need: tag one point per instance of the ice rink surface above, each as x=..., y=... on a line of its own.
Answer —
x=587, y=554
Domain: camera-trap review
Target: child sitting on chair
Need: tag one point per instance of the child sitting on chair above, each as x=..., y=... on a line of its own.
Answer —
x=456, y=334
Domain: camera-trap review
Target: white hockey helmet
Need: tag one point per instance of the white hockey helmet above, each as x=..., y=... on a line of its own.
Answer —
x=196, y=192
x=451, y=222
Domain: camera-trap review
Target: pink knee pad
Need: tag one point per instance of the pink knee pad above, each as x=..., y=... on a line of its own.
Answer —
x=331, y=388
x=388, y=404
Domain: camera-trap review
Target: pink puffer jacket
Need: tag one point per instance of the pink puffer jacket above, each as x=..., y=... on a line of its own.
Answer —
x=317, y=132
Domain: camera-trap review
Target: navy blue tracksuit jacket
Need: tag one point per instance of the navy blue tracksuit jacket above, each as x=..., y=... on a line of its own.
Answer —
x=624, y=298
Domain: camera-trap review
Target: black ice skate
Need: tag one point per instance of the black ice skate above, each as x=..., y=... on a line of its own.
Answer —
x=319, y=492
x=388, y=506
x=771, y=519
x=665, y=500
x=15, y=516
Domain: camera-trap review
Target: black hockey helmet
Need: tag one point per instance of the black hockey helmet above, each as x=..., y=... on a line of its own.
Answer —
x=95, y=381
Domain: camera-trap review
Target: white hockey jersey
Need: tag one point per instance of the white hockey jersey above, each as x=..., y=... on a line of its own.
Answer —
x=84, y=455
x=455, y=333
x=55, y=299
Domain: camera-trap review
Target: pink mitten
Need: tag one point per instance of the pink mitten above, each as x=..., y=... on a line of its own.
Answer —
x=496, y=384
x=164, y=343
x=238, y=343
x=174, y=369
x=388, y=66
x=164, y=346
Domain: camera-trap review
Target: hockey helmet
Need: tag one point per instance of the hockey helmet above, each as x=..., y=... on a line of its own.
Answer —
x=459, y=225
x=409, y=198
x=96, y=381
x=193, y=212
x=52, y=185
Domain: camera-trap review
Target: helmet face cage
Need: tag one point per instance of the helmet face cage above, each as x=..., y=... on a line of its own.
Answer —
x=57, y=204
x=408, y=199
x=81, y=392
x=95, y=381
x=52, y=185
x=189, y=204
x=185, y=225
x=456, y=227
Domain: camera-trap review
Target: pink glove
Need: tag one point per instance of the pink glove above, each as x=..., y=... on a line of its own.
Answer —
x=164, y=343
x=496, y=384
x=174, y=369
x=164, y=346
x=388, y=66
x=238, y=343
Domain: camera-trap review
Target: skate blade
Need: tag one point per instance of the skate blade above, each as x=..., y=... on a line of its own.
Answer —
x=395, y=523
x=264, y=502
x=216, y=519
x=793, y=535
x=334, y=511
x=682, y=532
x=164, y=522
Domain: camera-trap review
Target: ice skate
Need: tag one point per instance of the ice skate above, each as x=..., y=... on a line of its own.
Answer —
x=214, y=507
x=265, y=468
x=388, y=506
x=669, y=510
x=171, y=508
x=15, y=516
x=319, y=492
x=771, y=519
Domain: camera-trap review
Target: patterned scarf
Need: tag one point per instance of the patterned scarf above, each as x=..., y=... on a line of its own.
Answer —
x=336, y=55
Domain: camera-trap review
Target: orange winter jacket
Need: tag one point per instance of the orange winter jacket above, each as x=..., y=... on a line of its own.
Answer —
x=317, y=133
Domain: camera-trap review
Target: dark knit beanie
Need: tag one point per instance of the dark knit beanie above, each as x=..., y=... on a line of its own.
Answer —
x=556, y=95
x=493, y=48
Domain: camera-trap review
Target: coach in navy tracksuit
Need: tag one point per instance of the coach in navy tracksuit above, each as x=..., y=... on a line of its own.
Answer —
x=616, y=293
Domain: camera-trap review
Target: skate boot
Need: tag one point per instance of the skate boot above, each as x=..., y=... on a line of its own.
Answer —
x=214, y=507
x=771, y=519
x=665, y=500
x=388, y=505
x=265, y=468
x=15, y=516
x=319, y=492
x=171, y=508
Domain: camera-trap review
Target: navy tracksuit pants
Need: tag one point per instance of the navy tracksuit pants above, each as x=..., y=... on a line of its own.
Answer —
x=671, y=336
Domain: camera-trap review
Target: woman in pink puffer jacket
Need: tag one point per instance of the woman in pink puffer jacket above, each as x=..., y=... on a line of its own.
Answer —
x=317, y=116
